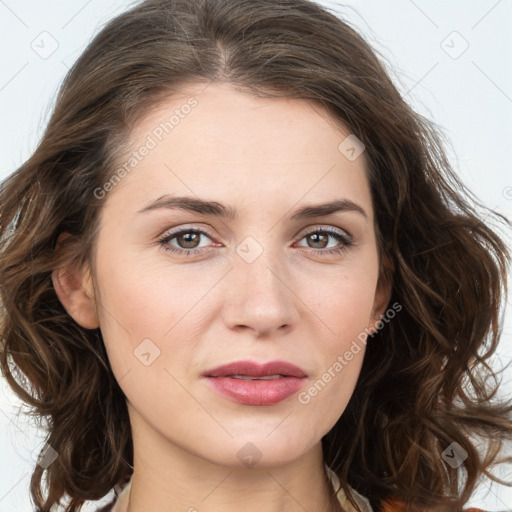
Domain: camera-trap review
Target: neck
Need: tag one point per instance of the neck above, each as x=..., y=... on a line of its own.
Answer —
x=298, y=486
x=167, y=477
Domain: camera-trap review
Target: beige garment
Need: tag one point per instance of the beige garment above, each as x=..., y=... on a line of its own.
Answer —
x=121, y=504
x=363, y=502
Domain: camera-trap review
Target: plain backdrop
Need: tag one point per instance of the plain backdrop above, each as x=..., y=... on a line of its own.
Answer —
x=451, y=59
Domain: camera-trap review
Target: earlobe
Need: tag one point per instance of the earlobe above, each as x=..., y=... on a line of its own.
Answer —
x=73, y=286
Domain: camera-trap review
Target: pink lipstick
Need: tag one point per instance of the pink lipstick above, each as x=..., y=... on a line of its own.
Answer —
x=250, y=383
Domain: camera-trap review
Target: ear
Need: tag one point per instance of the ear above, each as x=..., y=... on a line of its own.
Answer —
x=73, y=286
x=382, y=296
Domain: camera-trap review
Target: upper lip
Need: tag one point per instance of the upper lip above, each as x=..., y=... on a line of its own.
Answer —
x=253, y=369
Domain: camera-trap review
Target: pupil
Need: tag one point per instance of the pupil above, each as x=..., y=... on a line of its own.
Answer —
x=317, y=236
x=189, y=238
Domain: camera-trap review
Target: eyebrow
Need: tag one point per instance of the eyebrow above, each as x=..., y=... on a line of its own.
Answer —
x=214, y=208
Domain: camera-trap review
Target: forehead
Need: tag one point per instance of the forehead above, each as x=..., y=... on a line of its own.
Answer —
x=215, y=141
x=220, y=110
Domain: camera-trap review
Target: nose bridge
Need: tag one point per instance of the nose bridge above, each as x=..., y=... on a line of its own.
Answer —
x=261, y=297
x=261, y=270
x=259, y=266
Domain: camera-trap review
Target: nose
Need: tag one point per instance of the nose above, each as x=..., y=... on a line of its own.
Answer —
x=260, y=297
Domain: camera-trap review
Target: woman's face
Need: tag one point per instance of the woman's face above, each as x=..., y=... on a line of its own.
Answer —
x=183, y=292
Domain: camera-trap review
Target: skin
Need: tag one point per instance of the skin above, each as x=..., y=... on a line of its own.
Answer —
x=266, y=157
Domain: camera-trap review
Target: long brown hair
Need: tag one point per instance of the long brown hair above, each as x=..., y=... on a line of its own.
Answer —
x=425, y=383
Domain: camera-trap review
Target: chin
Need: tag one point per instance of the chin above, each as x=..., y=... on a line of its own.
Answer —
x=256, y=449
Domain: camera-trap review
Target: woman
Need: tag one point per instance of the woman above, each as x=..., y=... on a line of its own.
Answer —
x=238, y=273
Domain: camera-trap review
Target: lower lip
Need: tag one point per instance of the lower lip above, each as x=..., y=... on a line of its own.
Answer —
x=256, y=392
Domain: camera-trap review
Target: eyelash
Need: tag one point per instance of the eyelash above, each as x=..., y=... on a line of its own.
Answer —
x=346, y=240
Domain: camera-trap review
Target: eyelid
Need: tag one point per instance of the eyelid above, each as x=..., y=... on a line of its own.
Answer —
x=301, y=234
x=187, y=227
x=325, y=227
x=345, y=240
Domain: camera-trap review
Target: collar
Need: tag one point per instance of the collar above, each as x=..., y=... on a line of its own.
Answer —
x=363, y=502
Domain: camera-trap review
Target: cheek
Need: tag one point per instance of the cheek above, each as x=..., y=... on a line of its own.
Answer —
x=150, y=314
x=345, y=310
x=326, y=396
x=145, y=301
x=345, y=304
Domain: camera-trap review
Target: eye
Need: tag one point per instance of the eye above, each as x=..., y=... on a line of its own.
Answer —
x=188, y=241
x=189, y=238
x=321, y=237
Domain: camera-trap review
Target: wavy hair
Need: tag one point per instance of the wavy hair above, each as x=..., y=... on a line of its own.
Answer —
x=426, y=381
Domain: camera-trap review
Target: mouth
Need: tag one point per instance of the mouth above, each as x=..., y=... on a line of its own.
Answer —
x=246, y=377
x=251, y=369
x=250, y=383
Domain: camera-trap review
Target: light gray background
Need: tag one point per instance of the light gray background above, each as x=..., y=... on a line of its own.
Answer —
x=467, y=91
